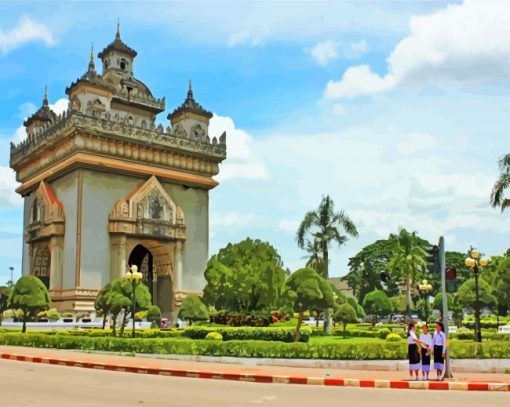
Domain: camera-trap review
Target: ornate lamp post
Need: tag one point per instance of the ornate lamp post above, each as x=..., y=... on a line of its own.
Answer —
x=425, y=288
x=473, y=262
x=135, y=277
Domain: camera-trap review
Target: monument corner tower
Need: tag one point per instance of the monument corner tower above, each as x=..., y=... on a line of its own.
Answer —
x=104, y=187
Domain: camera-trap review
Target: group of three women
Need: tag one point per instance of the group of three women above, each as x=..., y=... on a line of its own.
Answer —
x=420, y=350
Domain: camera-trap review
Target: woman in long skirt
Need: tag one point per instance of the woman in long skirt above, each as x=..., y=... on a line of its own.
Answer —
x=426, y=349
x=412, y=350
x=439, y=343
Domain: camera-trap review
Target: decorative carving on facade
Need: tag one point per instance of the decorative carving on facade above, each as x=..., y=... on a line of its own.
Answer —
x=148, y=211
x=46, y=215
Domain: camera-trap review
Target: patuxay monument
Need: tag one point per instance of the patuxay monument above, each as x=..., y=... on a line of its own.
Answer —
x=104, y=187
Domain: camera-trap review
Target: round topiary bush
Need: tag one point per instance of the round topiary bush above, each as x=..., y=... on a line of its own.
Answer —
x=393, y=338
x=383, y=333
x=214, y=336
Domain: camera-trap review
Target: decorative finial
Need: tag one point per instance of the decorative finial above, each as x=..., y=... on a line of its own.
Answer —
x=117, y=36
x=45, y=100
x=190, y=90
x=92, y=67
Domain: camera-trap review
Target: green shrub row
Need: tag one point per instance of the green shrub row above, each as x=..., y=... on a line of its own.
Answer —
x=248, y=333
x=97, y=333
x=250, y=348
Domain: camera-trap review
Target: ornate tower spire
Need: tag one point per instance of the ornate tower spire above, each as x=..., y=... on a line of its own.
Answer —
x=45, y=100
x=190, y=90
x=117, y=35
x=92, y=67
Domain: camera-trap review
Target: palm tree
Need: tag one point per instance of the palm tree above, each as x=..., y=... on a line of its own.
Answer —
x=322, y=227
x=314, y=259
x=503, y=182
x=408, y=260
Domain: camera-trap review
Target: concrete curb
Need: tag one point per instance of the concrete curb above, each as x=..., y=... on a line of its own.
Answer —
x=260, y=378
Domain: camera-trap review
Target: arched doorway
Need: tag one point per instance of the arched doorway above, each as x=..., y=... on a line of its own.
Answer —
x=154, y=262
x=144, y=260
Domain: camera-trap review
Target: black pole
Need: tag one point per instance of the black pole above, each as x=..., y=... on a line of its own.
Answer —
x=478, y=332
x=134, y=302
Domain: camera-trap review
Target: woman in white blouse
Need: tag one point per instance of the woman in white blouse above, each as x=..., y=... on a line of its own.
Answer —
x=412, y=350
x=426, y=348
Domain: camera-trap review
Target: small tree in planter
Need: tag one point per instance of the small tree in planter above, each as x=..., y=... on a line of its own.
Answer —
x=154, y=316
x=345, y=315
x=305, y=290
x=53, y=315
x=30, y=295
x=193, y=309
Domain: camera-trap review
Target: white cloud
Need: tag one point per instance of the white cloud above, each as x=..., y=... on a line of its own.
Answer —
x=8, y=184
x=464, y=43
x=338, y=109
x=327, y=51
x=288, y=225
x=324, y=52
x=240, y=162
x=416, y=142
x=27, y=30
x=359, y=80
x=60, y=106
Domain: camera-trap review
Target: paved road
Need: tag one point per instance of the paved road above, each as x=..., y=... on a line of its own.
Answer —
x=26, y=384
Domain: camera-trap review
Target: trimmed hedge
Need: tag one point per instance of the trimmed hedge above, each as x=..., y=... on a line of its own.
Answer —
x=251, y=349
x=248, y=333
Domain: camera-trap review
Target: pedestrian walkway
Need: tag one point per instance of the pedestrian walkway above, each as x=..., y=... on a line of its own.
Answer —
x=266, y=374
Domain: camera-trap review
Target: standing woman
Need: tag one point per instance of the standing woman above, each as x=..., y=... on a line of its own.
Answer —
x=439, y=343
x=426, y=348
x=412, y=350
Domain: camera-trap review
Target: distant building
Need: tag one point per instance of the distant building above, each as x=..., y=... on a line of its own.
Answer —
x=104, y=188
x=342, y=286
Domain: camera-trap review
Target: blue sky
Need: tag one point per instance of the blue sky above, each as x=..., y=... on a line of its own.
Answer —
x=398, y=110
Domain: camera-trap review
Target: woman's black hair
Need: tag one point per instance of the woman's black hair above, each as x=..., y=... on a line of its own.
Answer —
x=441, y=325
x=410, y=326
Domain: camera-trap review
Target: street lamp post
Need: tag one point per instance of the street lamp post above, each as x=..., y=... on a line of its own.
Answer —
x=134, y=276
x=473, y=262
x=425, y=288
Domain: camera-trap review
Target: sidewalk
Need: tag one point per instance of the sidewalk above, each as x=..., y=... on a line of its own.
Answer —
x=266, y=374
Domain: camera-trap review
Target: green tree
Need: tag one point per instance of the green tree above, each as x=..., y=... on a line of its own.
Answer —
x=408, y=261
x=366, y=268
x=307, y=290
x=193, y=309
x=120, y=299
x=360, y=312
x=53, y=314
x=101, y=304
x=314, y=259
x=345, y=315
x=497, y=198
x=466, y=294
x=378, y=304
x=246, y=276
x=398, y=303
x=4, y=299
x=29, y=295
x=325, y=226
x=154, y=316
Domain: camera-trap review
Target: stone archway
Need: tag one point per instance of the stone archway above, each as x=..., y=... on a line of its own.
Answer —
x=155, y=262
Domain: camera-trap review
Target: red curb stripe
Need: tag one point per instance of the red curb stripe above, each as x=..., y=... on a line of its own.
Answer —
x=334, y=382
x=263, y=379
x=399, y=385
x=180, y=373
x=439, y=386
x=298, y=380
x=478, y=386
x=205, y=375
x=367, y=383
